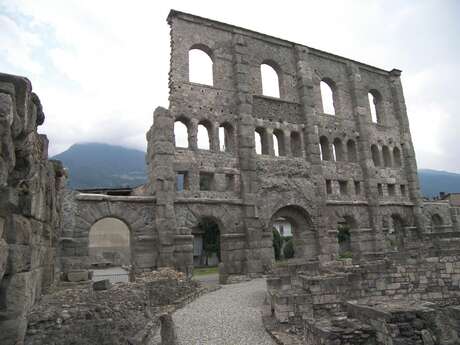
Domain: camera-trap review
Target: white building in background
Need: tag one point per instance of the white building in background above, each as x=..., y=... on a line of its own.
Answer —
x=283, y=226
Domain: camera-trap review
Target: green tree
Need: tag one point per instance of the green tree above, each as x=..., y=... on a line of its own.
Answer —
x=211, y=237
x=277, y=243
x=288, y=250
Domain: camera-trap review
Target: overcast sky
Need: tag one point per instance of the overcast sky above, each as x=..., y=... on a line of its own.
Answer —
x=101, y=67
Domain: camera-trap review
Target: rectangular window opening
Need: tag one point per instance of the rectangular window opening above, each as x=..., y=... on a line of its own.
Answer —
x=229, y=182
x=357, y=187
x=403, y=190
x=391, y=189
x=343, y=187
x=328, y=187
x=380, y=189
x=182, y=181
x=206, y=181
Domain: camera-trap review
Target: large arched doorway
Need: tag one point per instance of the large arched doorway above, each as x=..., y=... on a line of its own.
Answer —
x=109, y=242
x=345, y=227
x=206, y=243
x=301, y=231
x=397, y=232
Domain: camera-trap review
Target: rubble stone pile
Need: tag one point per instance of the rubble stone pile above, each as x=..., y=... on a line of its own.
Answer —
x=127, y=313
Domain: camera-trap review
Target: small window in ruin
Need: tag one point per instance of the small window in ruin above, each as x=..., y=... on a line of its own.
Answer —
x=338, y=150
x=375, y=155
x=380, y=189
x=391, y=189
x=386, y=156
x=351, y=151
x=182, y=181
x=343, y=187
x=200, y=67
x=206, y=181
x=327, y=97
x=325, y=149
x=229, y=182
x=261, y=143
x=403, y=190
x=296, y=146
x=270, y=81
x=397, y=157
x=278, y=143
x=203, y=137
x=180, y=134
x=357, y=187
x=328, y=187
x=226, y=138
x=375, y=105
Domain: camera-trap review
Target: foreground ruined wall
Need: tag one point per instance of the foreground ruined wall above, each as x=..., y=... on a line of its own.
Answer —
x=29, y=207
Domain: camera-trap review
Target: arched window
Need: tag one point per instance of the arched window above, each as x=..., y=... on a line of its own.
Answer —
x=278, y=143
x=296, y=144
x=338, y=150
x=397, y=157
x=180, y=134
x=270, y=81
x=375, y=104
x=325, y=149
x=351, y=151
x=226, y=137
x=261, y=143
x=203, y=137
x=109, y=239
x=327, y=96
x=386, y=156
x=375, y=155
x=436, y=222
x=200, y=66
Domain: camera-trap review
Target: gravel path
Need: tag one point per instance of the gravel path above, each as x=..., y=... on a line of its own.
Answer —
x=229, y=316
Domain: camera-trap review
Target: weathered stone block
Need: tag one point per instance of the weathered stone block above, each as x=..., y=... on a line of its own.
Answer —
x=77, y=275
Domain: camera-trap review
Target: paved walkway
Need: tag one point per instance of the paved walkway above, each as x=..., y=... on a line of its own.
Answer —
x=229, y=316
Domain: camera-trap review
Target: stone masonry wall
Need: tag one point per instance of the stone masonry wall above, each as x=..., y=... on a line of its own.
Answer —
x=371, y=181
x=30, y=207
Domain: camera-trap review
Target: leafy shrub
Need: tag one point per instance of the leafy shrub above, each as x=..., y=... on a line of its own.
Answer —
x=277, y=244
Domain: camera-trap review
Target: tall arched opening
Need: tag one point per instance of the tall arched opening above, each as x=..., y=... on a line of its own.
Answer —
x=206, y=243
x=109, y=242
x=300, y=229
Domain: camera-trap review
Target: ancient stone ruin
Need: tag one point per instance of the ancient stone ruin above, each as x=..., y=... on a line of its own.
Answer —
x=30, y=207
x=373, y=263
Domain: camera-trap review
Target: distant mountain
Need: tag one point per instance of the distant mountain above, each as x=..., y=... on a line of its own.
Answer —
x=94, y=165
x=434, y=181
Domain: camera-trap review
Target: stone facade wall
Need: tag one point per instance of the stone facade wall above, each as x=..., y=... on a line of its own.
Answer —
x=30, y=207
x=371, y=184
x=315, y=192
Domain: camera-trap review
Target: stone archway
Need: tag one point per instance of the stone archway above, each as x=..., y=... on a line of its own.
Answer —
x=206, y=243
x=110, y=241
x=304, y=237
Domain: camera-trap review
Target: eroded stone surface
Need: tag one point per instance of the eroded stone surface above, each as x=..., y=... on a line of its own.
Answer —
x=30, y=208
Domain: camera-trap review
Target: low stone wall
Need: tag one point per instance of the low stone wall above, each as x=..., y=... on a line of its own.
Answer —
x=399, y=298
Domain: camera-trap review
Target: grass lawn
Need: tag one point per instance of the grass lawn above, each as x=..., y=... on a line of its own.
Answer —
x=202, y=271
